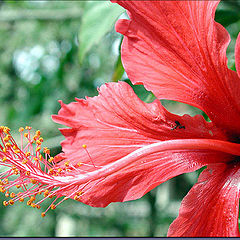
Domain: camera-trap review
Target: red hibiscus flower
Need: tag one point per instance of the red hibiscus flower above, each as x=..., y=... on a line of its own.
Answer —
x=118, y=148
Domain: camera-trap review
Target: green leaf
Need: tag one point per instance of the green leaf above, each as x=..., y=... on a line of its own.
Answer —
x=97, y=20
x=141, y=92
x=118, y=70
x=227, y=17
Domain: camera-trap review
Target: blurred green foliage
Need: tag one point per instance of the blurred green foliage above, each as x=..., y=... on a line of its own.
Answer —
x=94, y=26
x=39, y=56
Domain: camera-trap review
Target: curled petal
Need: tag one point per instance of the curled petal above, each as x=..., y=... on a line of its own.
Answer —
x=112, y=131
x=178, y=51
x=211, y=207
x=117, y=122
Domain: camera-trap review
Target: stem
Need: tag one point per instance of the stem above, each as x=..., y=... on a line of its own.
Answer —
x=153, y=213
x=170, y=145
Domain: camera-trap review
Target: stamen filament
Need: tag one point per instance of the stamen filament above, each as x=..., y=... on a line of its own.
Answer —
x=85, y=147
x=171, y=145
x=70, y=180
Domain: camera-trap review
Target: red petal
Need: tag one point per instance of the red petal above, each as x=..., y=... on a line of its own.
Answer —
x=178, y=51
x=115, y=124
x=139, y=178
x=211, y=207
x=237, y=55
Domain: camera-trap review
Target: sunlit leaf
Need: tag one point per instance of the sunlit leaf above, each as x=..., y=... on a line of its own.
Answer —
x=97, y=20
x=118, y=70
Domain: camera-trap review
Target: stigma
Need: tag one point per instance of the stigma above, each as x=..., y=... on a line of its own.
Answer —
x=30, y=174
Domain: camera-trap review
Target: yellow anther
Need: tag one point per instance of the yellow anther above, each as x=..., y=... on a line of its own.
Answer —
x=38, y=133
x=40, y=139
x=43, y=214
x=18, y=186
x=4, y=150
x=7, y=138
x=50, y=159
x=16, y=172
x=59, y=170
x=33, y=205
x=15, y=147
x=78, y=193
x=38, y=206
x=8, y=145
x=6, y=180
x=29, y=202
x=21, y=199
x=65, y=198
x=6, y=130
x=79, y=164
x=53, y=207
x=21, y=129
x=4, y=159
x=84, y=146
x=11, y=202
x=27, y=173
x=46, y=193
x=46, y=150
x=38, y=142
x=32, y=198
x=5, y=203
x=7, y=194
x=28, y=128
x=26, y=135
x=12, y=195
x=40, y=157
x=50, y=171
x=38, y=149
x=27, y=154
x=66, y=164
x=24, y=161
x=77, y=198
x=33, y=181
x=2, y=190
x=35, y=159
